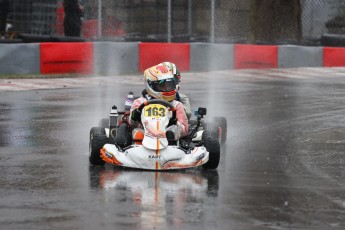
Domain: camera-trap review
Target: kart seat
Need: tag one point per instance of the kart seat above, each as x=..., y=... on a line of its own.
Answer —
x=171, y=137
x=123, y=137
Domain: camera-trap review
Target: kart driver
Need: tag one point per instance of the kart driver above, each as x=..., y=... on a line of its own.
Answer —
x=160, y=84
x=179, y=96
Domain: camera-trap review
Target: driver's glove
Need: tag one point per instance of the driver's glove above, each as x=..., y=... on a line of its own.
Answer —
x=172, y=121
x=136, y=114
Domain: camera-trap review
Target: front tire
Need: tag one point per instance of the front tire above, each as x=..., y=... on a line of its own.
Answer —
x=211, y=143
x=98, y=139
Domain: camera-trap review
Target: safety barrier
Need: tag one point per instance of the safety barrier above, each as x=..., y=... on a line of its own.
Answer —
x=60, y=58
x=333, y=57
x=256, y=57
x=299, y=56
x=111, y=58
x=19, y=59
x=115, y=58
x=208, y=57
x=154, y=53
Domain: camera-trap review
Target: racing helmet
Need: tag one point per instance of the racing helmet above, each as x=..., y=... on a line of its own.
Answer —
x=172, y=67
x=160, y=83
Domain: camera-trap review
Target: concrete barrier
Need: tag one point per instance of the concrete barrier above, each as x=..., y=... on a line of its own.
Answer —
x=208, y=57
x=153, y=53
x=256, y=56
x=19, y=59
x=116, y=58
x=290, y=56
x=67, y=57
x=333, y=57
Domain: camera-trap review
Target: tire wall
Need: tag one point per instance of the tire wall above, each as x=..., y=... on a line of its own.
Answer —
x=116, y=58
x=19, y=59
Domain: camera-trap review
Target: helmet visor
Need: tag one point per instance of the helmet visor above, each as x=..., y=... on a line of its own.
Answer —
x=165, y=85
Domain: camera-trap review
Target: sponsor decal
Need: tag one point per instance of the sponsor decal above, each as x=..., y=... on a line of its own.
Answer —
x=162, y=69
x=199, y=158
x=154, y=157
x=108, y=154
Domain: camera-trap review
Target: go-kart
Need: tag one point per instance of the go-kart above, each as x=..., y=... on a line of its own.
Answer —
x=218, y=123
x=157, y=149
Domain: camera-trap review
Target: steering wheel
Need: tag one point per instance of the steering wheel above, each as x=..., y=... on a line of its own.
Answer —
x=162, y=102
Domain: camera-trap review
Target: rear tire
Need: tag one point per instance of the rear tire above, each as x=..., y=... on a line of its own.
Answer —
x=98, y=139
x=104, y=123
x=211, y=143
x=221, y=125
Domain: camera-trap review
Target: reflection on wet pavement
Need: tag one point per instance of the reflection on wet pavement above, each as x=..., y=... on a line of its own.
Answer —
x=159, y=199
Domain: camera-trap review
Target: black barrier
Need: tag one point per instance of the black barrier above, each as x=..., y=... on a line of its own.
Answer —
x=334, y=40
x=10, y=41
x=31, y=38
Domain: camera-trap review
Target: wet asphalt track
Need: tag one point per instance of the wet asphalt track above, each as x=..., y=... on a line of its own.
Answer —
x=282, y=166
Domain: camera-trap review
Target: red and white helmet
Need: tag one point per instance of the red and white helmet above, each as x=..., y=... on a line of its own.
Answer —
x=172, y=67
x=160, y=83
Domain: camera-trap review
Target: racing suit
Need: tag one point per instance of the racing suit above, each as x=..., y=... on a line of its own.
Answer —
x=181, y=127
x=185, y=101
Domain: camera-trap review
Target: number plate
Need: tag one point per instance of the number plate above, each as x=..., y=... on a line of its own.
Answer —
x=155, y=111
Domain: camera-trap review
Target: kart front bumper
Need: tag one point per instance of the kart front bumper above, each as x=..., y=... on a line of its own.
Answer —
x=171, y=157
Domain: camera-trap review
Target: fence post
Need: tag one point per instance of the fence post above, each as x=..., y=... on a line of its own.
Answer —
x=189, y=18
x=99, y=32
x=169, y=21
x=212, y=20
